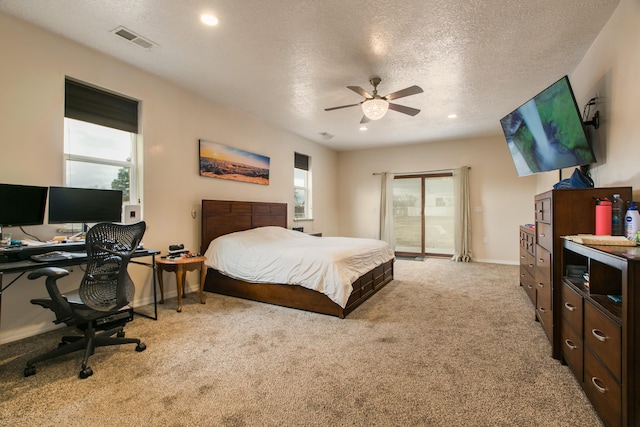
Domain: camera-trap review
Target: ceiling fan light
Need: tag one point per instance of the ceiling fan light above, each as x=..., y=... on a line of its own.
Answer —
x=375, y=108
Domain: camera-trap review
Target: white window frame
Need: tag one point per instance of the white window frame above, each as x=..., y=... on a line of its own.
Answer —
x=132, y=164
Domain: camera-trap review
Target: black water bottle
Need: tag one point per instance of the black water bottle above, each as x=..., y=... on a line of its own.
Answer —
x=618, y=210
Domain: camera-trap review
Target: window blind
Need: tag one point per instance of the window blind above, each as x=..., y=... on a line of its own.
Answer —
x=301, y=161
x=89, y=104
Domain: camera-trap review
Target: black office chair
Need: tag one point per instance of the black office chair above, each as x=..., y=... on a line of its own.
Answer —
x=100, y=304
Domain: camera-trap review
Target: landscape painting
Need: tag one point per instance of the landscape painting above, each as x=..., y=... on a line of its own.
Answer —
x=221, y=161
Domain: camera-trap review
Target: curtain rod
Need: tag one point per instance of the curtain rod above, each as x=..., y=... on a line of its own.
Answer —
x=413, y=173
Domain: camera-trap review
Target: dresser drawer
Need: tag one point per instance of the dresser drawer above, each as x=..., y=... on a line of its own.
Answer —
x=604, y=337
x=543, y=306
x=528, y=283
x=527, y=260
x=572, y=349
x=543, y=210
x=543, y=263
x=527, y=239
x=544, y=233
x=603, y=390
x=571, y=306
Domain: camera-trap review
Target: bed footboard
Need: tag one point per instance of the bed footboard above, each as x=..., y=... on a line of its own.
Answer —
x=294, y=296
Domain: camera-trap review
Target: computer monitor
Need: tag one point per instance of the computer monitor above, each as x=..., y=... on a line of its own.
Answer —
x=22, y=205
x=84, y=205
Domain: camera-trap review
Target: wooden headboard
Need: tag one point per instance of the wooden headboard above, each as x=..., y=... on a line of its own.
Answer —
x=220, y=217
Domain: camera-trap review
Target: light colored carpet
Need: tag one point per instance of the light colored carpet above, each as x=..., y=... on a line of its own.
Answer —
x=444, y=344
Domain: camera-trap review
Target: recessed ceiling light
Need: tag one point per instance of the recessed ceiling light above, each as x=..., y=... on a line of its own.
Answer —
x=363, y=128
x=452, y=116
x=209, y=19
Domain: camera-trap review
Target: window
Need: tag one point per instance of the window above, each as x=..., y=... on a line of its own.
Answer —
x=100, y=140
x=100, y=157
x=302, y=187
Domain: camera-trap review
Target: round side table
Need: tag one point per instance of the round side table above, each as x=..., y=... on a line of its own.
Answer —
x=180, y=266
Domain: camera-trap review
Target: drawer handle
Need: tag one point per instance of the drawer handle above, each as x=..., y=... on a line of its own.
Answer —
x=542, y=309
x=531, y=265
x=569, y=306
x=600, y=336
x=541, y=260
x=540, y=285
x=597, y=383
x=570, y=344
x=530, y=286
x=542, y=235
x=522, y=256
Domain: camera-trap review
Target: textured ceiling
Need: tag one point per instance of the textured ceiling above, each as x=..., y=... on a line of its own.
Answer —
x=285, y=61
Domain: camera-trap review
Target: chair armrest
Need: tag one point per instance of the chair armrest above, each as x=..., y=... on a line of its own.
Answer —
x=49, y=272
x=60, y=306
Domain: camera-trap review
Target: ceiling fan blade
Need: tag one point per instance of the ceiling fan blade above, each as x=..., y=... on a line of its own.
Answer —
x=365, y=119
x=342, y=106
x=360, y=91
x=404, y=109
x=412, y=90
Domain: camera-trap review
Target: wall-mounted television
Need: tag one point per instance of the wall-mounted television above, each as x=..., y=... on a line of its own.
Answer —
x=547, y=132
x=84, y=205
x=22, y=205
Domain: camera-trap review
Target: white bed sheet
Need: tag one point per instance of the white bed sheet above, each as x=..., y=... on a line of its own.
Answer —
x=278, y=255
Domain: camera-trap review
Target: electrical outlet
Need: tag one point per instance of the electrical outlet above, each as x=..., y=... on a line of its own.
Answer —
x=193, y=213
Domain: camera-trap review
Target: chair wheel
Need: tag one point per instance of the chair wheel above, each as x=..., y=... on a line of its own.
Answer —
x=120, y=334
x=85, y=373
x=29, y=370
x=141, y=347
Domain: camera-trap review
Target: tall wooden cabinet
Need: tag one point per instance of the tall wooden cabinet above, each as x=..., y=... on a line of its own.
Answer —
x=600, y=327
x=559, y=213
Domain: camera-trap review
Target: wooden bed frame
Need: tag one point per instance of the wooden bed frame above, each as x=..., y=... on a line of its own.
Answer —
x=221, y=217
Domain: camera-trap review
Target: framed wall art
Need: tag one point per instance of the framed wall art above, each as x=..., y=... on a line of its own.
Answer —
x=221, y=161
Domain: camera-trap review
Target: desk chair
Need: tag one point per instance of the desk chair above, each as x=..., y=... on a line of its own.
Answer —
x=100, y=304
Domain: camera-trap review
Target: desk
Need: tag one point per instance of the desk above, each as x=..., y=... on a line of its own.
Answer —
x=23, y=266
x=181, y=266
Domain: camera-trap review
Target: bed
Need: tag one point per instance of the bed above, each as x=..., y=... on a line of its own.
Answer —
x=221, y=217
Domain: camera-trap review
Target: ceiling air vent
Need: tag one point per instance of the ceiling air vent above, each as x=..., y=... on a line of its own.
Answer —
x=326, y=135
x=133, y=37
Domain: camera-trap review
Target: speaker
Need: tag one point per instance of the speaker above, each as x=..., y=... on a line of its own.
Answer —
x=131, y=214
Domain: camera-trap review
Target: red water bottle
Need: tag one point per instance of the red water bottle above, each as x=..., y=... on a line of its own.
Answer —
x=603, y=217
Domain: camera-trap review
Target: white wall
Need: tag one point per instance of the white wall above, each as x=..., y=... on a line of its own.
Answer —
x=610, y=69
x=34, y=65
x=505, y=200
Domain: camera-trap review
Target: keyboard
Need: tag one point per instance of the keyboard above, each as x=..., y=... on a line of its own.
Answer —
x=57, y=256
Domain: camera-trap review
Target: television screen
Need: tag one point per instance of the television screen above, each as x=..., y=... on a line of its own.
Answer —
x=22, y=205
x=547, y=133
x=84, y=205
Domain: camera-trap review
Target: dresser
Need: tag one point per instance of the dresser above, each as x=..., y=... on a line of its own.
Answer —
x=559, y=213
x=600, y=325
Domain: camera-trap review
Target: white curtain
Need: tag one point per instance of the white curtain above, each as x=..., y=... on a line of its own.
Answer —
x=461, y=216
x=386, y=210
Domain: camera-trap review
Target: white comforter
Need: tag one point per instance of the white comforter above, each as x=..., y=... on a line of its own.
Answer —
x=278, y=255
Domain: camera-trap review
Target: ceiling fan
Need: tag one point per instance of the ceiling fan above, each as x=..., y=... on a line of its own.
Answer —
x=375, y=106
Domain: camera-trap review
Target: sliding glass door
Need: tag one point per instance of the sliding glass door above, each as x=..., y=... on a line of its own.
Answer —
x=423, y=214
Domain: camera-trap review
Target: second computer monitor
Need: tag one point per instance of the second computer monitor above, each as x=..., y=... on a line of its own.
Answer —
x=84, y=205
